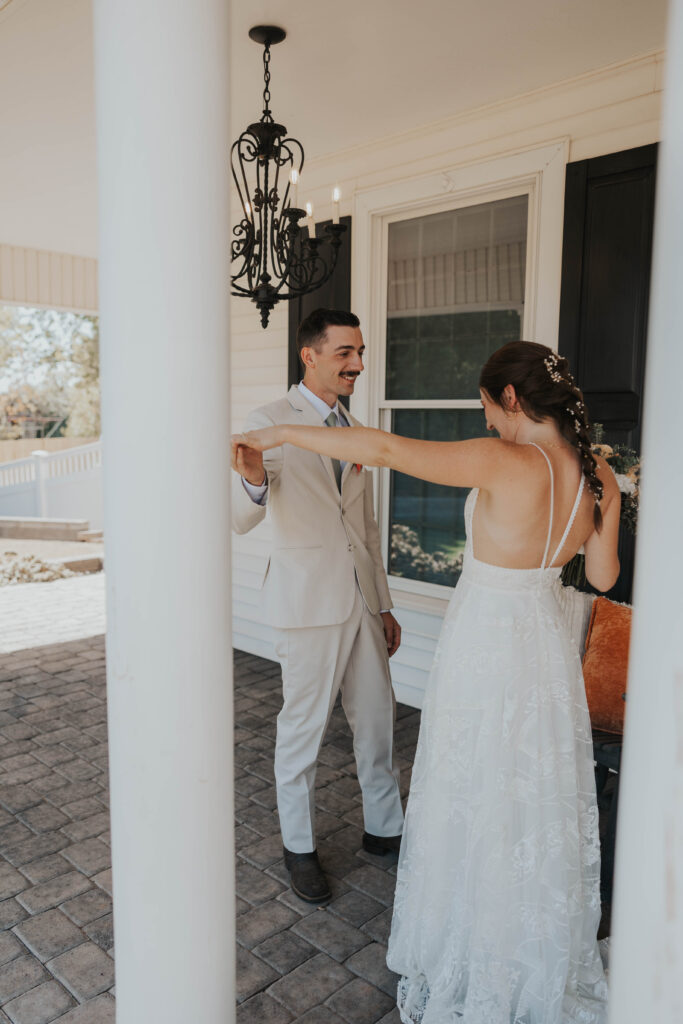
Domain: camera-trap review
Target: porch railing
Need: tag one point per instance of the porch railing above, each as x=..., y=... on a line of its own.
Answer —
x=55, y=485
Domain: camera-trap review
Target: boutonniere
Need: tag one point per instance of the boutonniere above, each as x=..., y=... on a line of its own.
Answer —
x=358, y=467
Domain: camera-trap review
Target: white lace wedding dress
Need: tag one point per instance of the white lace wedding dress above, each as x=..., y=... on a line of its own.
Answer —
x=497, y=899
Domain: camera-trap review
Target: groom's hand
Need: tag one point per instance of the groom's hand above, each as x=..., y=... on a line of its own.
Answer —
x=248, y=463
x=392, y=632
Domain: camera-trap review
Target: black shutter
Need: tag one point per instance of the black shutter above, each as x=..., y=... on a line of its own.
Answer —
x=606, y=258
x=335, y=294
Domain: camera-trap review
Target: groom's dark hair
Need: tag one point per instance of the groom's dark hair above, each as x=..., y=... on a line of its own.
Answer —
x=312, y=330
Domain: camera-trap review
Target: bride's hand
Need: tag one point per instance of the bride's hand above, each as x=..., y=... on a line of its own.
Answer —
x=258, y=440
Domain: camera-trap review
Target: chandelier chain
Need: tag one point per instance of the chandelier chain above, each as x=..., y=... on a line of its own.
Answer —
x=267, y=116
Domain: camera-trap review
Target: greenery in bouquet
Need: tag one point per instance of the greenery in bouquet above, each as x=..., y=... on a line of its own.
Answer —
x=625, y=464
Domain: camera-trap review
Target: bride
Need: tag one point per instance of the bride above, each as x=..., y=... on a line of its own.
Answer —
x=497, y=898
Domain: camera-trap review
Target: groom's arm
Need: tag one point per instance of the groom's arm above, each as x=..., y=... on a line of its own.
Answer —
x=249, y=500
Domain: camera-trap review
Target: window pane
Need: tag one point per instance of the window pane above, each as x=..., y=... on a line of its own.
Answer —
x=455, y=294
x=427, y=526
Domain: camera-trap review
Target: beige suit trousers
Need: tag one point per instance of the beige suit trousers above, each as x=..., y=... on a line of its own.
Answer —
x=316, y=663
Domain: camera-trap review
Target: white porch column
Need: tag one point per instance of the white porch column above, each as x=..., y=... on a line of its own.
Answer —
x=647, y=957
x=163, y=152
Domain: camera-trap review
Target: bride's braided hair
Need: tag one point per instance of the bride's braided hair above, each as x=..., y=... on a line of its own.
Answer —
x=546, y=391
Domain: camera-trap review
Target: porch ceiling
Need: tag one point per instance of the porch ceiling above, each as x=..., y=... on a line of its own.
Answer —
x=352, y=71
x=347, y=74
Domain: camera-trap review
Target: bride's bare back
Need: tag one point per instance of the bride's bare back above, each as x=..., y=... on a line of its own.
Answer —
x=512, y=515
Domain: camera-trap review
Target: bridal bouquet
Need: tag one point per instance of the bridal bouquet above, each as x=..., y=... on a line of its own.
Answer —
x=625, y=464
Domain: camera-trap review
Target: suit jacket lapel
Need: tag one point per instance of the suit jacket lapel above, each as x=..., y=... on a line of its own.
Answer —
x=310, y=416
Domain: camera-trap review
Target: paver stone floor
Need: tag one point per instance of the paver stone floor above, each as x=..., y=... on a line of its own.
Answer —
x=295, y=962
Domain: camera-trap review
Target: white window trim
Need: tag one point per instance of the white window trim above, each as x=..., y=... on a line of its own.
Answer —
x=537, y=172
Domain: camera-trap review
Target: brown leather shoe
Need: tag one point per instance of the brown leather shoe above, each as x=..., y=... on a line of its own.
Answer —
x=380, y=845
x=306, y=876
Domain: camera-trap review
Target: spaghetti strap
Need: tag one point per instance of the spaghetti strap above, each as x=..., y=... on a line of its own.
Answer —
x=552, y=501
x=575, y=508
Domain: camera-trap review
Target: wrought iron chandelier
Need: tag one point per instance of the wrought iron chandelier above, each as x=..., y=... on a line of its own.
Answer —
x=277, y=258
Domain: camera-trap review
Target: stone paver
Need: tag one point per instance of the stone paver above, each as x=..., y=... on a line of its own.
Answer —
x=331, y=935
x=296, y=963
x=10, y=947
x=85, y=971
x=11, y=913
x=360, y=1003
x=49, y=934
x=97, y=1011
x=370, y=964
x=285, y=951
x=19, y=975
x=261, y=1009
x=262, y=922
x=42, y=1004
x=11, y=881
x=88, y=907
x=320, y=1015
x=253, y=974
x=310, y=984
x=101, y=931
x=90, y=856
x=49, y=894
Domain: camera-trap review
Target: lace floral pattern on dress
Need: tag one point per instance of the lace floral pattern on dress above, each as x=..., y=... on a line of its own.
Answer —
x=497, y=896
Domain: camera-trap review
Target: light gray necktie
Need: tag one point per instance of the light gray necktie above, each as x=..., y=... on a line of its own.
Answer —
x=333, y=421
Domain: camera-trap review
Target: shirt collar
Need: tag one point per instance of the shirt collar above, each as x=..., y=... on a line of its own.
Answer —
x=321, y=407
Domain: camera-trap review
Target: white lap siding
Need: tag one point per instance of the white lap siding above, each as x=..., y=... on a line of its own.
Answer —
x=258, y=369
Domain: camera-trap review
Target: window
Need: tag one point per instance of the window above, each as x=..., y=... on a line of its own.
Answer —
x=455, y=293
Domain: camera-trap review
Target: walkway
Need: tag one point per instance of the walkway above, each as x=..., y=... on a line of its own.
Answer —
x=50, y=613
x=295, y=963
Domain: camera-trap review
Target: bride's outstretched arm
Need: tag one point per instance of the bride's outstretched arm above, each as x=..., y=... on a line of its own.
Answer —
x=458, y=463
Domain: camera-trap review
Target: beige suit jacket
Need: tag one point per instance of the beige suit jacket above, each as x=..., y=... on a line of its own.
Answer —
x=323, y=541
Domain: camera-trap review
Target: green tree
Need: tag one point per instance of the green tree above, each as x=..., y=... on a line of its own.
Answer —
x=49, y=359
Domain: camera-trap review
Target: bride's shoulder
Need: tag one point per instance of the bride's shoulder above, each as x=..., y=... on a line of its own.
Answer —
x=501, y=464
x=510, y=451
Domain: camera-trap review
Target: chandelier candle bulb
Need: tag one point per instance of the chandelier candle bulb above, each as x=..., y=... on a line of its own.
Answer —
x=310, y=223
x=294, y=179
x=336, y=196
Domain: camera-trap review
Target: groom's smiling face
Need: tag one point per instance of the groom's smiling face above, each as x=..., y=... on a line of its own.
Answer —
x=333, y=368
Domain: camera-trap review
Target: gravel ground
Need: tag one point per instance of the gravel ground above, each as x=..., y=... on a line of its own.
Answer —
x=50, y=549
x=39, y=561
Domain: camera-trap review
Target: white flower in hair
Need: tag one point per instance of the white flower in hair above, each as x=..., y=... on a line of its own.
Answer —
x=551, y=362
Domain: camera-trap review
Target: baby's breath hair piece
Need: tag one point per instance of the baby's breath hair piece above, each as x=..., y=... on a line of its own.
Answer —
x=575, y=413
x=550, y=362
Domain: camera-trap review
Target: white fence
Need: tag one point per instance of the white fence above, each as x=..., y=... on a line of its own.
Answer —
x=55, y=485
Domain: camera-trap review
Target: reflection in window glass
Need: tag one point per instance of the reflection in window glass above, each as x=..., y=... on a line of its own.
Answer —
x=427, y=520
x=455, y=294
x=456, y=285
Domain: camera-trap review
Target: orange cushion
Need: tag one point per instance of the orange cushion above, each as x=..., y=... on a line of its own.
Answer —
x=605, y=663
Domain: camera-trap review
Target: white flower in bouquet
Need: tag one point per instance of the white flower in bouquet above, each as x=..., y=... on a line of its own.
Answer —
x=625, y=483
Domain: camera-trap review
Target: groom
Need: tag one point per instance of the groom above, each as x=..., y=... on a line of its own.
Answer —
x=326, y=593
